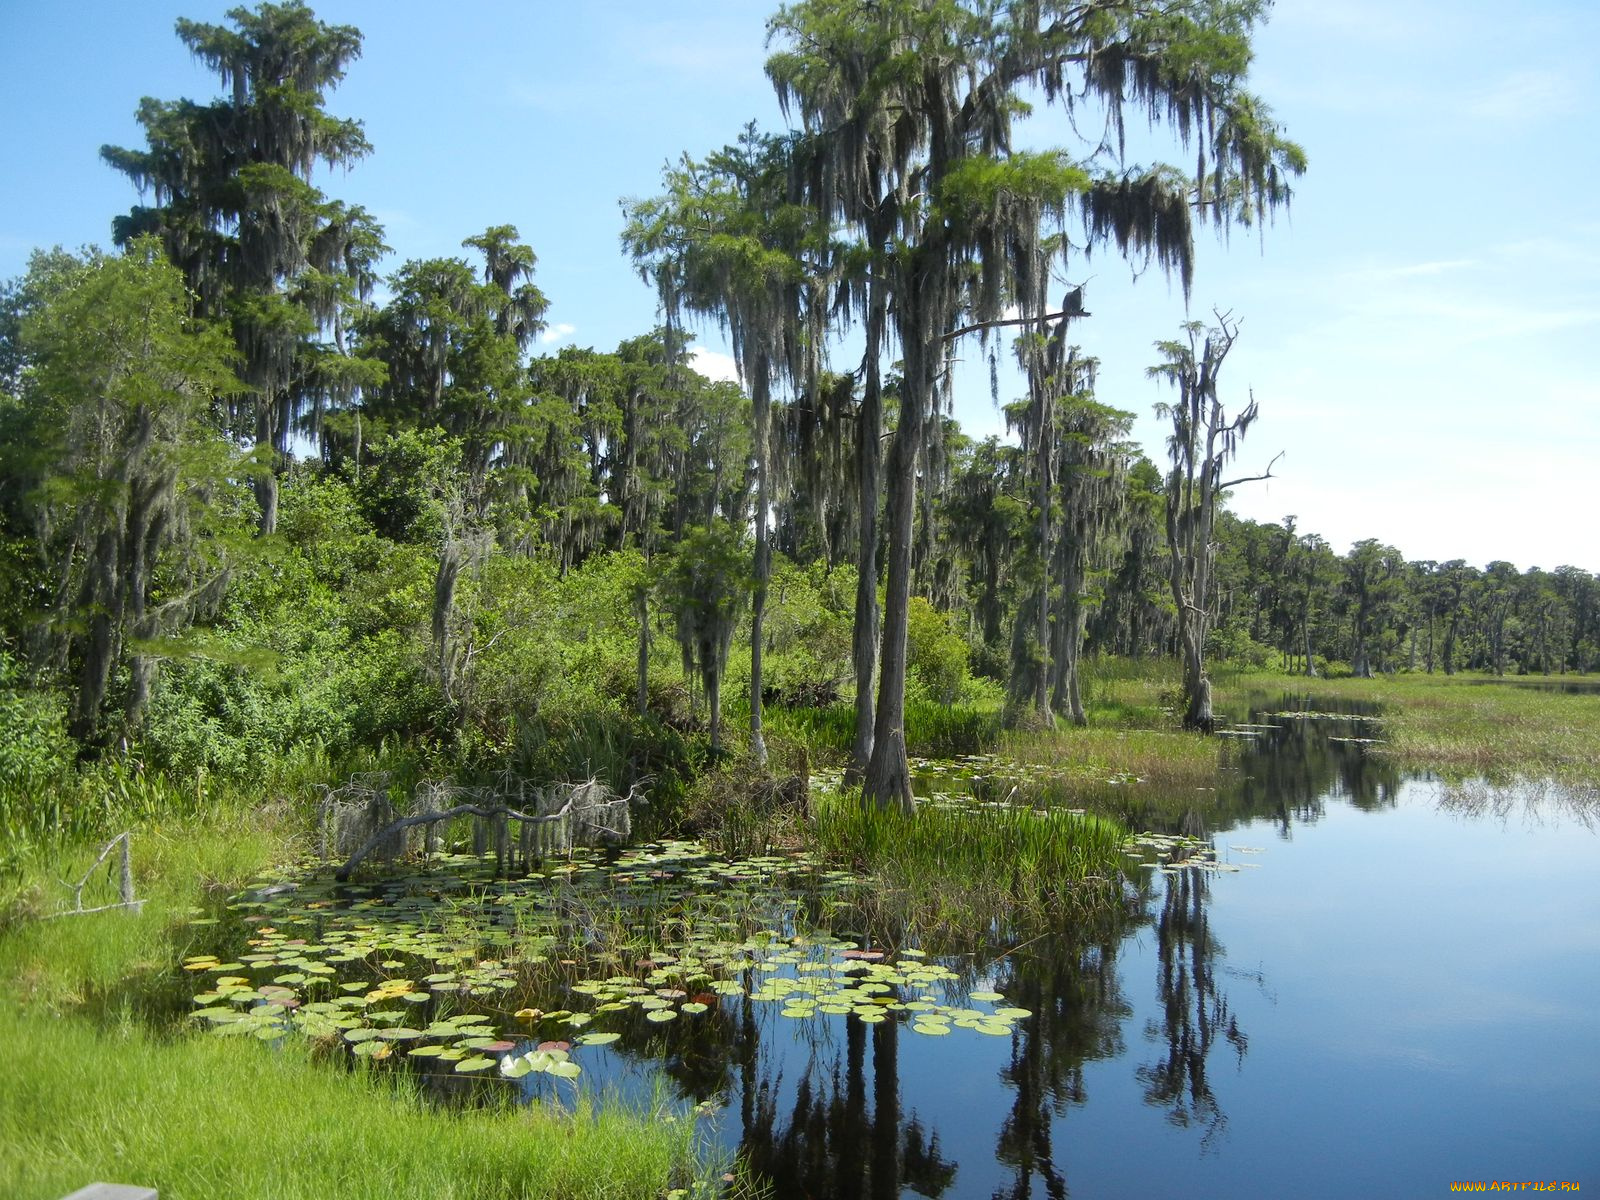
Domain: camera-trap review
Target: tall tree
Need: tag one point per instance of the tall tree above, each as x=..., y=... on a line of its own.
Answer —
x=237, y=212
x=910, y=105
x=1373, y=580
x=707, y=584
x=724, y=242
x=1203, y=440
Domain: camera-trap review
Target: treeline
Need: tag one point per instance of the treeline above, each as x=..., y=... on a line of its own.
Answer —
x=1291, y=594
x=246, y=509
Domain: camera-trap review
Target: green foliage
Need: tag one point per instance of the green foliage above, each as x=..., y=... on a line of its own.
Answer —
x=1233, y=645
x=809, y=611
x=319, y=644
x=399, y=480
x=936, y=656
x=129, y=485
x=34, y=747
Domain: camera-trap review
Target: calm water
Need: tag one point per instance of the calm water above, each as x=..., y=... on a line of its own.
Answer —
x=1393, y=995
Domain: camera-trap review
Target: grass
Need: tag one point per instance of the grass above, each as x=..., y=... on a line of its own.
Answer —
x=968, y=867
x=1469, y=725
x=200, y=1118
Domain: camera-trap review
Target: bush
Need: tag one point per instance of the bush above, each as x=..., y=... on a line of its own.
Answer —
x=34, y=746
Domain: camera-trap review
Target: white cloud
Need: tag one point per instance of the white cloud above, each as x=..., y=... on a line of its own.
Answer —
x=1381, y=273
x=1527, y=96
x=558, y=332
x=1376, y=22
x=713, y=365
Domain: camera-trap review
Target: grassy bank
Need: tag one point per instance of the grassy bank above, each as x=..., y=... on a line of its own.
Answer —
x=201, y=1118
x=103, y=1082
x=1466, y=725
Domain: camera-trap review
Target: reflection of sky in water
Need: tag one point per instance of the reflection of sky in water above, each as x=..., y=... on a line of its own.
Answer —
x=1413, y=993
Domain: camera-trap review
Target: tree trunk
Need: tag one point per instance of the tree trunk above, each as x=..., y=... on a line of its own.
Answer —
x=761, y=396
x=1305, y=630
x=1041, y=631
x=869, y=469
x=266, y=482
x=641, y=609
x=1196, y=687
x=1069, y=642
x=714, y=700
x=444, y=598
x=888, y=777
x=101, y=597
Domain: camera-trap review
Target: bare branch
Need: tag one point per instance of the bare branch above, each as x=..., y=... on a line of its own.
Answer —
x=1222, y=487
x=1055, y=316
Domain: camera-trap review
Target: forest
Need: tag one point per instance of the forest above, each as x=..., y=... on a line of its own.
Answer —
x=275, y=511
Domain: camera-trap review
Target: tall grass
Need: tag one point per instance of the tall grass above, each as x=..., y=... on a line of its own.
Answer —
x=200, y=1118
x=970, y=864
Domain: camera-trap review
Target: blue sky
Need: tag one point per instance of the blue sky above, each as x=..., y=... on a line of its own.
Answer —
x=1419, y=329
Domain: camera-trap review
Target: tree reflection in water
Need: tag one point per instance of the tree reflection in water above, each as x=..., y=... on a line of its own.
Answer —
x=1194, y=1013
x=832, y=1144
x=844, y=1133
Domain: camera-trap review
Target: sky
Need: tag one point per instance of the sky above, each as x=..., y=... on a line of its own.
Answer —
x=1418, y=330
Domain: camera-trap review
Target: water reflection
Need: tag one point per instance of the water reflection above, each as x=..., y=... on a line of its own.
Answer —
x=1194, y=1011
x=841, y=1128
x=1130, y=1016
x=1078, y=1016
x=828, y=1141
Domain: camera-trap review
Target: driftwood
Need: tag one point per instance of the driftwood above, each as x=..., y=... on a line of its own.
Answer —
x=573, y=810
x=124, y=882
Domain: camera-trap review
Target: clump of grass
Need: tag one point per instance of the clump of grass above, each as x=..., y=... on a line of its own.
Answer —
x=971, y=865
x=204, y=1117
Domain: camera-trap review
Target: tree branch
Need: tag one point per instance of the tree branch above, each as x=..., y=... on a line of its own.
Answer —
x=1222, y=487
x=1055, y=316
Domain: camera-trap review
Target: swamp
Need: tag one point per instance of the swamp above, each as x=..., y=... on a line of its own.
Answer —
x=812, y=706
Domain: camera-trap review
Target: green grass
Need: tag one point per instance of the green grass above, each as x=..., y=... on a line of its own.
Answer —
x=965, y=867
x=1468, y=725
x=201, y=1118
